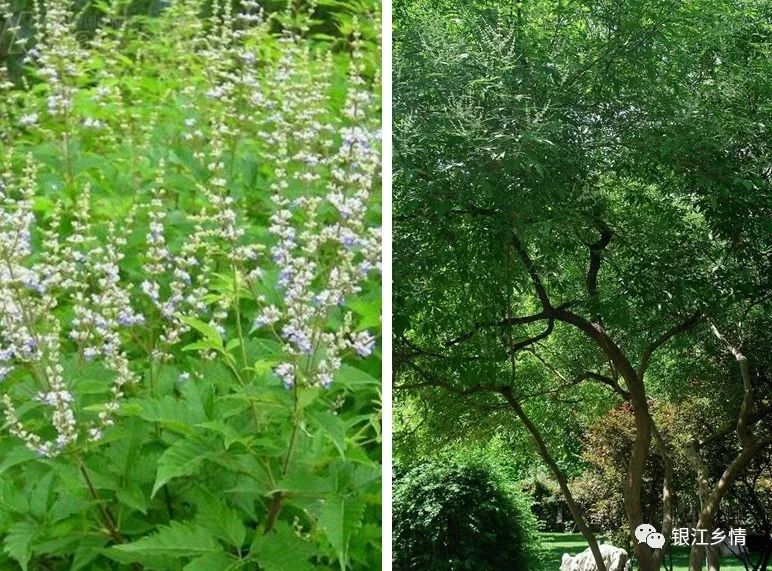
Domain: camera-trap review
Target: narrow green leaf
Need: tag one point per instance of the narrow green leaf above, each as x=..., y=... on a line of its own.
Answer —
x=175, y=540
x=211, y=561
x=332, y=425
x=205, y=329
x=182, y=459
x=339, y=519
x=216, y=516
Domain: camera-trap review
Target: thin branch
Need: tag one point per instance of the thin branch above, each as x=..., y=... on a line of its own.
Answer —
x=530, y=267
x=508, y=322
x=596, y=256
x=433, y=382
x=683, y=327
x=743, y=425
x=474, y=210
x=729, y=427
x=587, y=375
x=520, y=345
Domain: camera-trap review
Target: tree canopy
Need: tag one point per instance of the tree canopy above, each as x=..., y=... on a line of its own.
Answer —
x=582, y=196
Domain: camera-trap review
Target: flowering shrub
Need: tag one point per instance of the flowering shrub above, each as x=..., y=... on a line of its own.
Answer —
x=189, y=293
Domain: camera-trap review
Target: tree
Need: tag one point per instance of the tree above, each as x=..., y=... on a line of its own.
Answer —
x=561, y=213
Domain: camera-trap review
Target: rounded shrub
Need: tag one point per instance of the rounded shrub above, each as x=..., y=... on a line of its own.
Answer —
x=458, y=513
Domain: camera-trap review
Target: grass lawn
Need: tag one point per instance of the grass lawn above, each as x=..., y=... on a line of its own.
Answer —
x=556, y=544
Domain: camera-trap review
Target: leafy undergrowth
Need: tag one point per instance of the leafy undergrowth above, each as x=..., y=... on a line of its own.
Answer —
x=190, y=292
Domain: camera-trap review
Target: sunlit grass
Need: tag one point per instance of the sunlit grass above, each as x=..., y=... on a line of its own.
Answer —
x=556, y=544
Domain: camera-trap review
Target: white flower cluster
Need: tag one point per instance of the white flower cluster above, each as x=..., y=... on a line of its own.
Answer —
x=77, y=272
x=56, y=52
x=325, y=248
x=65, y=292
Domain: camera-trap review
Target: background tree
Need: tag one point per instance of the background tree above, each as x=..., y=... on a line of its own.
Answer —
x=565, y=215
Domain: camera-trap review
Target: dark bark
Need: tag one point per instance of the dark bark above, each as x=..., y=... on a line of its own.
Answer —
x=557, y=473
x=750, y=445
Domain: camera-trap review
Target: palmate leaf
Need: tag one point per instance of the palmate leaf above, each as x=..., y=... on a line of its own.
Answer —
x=182, y=459
x=175, y=540
x=339, y=519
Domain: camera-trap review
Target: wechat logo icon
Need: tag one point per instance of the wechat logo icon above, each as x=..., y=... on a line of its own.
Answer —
x=647, y=533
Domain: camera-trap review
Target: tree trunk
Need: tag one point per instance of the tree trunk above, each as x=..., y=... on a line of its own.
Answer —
x=710, y=498
x=697, y=552
x=667, y=494
x=714, y=557
x=643, y=422
x=588, y=535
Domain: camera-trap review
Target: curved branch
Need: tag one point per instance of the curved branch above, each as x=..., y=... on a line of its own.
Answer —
x=508, y=322
x=535, y=339
x=690, y=323
x=558, y=474
x=433, y=382
x=752, y=419
x=530, y=267
x=587, y=375
x=596, y=256
x=744, y=432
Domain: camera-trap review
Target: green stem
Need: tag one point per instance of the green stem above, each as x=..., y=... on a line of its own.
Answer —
x=278, y=497
x=237, y=307
x=105, y=515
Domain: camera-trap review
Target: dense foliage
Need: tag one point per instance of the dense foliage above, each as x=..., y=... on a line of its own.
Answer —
x=455, y=513
x=189, y=292
x=583, y=220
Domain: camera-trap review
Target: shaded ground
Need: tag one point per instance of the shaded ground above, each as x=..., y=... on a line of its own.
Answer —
x=556, y=544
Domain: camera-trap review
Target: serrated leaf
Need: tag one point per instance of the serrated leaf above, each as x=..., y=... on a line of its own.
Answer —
x=133, y=497
x=332, y=425
x=18, y=542
x=181, y=459
x=88, y=549
x=216, y=516
x=211, y=561
x=282, y=550
x=229, y=434
x=340, y=518
x=175, y=540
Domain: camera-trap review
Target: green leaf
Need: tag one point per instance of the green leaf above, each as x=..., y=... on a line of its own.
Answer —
x=205, y=329
x=182, y=459
x=88, y=549
x=339, y=519
x=282, y=550
x=211, y=561
x=219, y=427
x=332, y=425
x=224, y=522
x=18, y=542
x=133, y=497
x=354, y=378
x=172, y=413
x=18, y=455
x=175, y=540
